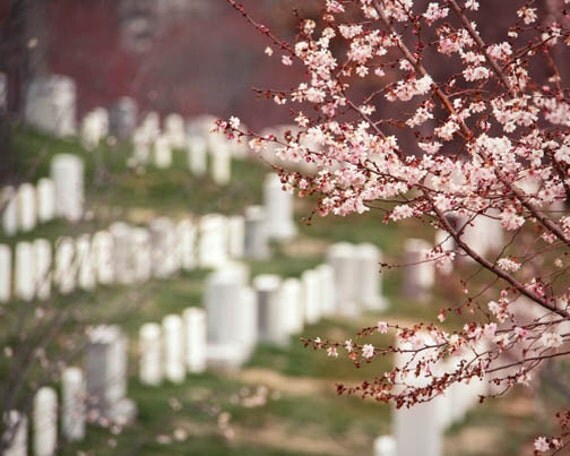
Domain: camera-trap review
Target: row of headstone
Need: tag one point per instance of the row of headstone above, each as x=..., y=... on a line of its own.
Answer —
x=357, y=282
x=173, y=349
x=98, y=396
x=45, y=413
x=23, y=208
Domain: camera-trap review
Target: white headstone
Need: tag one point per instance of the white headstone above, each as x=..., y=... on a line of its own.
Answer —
x=312, y=296
x=256, y=239
x=43, y=264
x=9, y=211
x=123, y=255
x=5, y=273
x=197, y=154
x=65, y=271
x=142, y=143
x=73, y=398
x=173, y=332
x=50, y=105
x=369, y=287
x=106, y=372
x=94, y=127
x=447, y=244
x=213, y=241
x=142, y=254
x=270, y=311
x=27, y=207
x=291, y=300
x=231, y=319
x=342, y=258
x=45, y=422
x=187, y=246
x=385, y=446
x=236, y=234
x=46, y=200
x=86, y=278
x=17, y=435
x=195, y=339
x=221, y=160
x=123, y=118
x=162, y=152
x=25, y=281
x=419, y=273
x=151, y=125
x=175, y=130
x=67, y=173
x=165, y=255
x=418, y=430
x=150, y=354
x=103, y=258
x=278, y=205
x=325, y=273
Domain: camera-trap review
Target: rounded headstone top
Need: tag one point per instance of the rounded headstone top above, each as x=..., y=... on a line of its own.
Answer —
x=66, y=161
x=46, y=394
x=73, y=374
x=291, y=282
x=417, y=245
x=310, y=274
x=104, y=334
x=341, y=250
x=150, y=331
x=194, y=312
x=172, y=321
x=266, y=282
x=255, y=213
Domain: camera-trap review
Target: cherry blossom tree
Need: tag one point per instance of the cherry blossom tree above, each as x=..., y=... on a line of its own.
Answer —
x=427, y=111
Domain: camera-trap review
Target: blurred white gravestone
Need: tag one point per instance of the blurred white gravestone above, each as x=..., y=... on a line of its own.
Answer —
x=342, y=258
x=221, y=159
x=123, y=118
x=213, y=241
x=195, y=339
x=43, y=265
x=27, y=207
x=94, y=128
x=236, y=235
x=270, y=312
x=67, y=173
x=278, y=205
x=165, y=258
x=175, y=130
x=103, y=257
x=173, y=331
x=142, y=254
x=106, y=372
x=123, y=255
x=197, y=154
x=369, y=287
x=18, y=434
x=482, y=233
x=142, y=143
x=291, y=301
x=25, y=282
x=325, y=274
x=65, y=271
x=312, y=296
x=9, y=211
x=418, y=429
x=50, y=105
x=419, y=273
x=5, y=273
x=447, y=246
x=385, y=446
x=151, y=125
x=86, y=278
x=150, y=354
x=162, y=152
x=187, y=246
x=45, y=422
x=73, y=398
x=229, y=319
x=46, y=200
x=256, y=239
